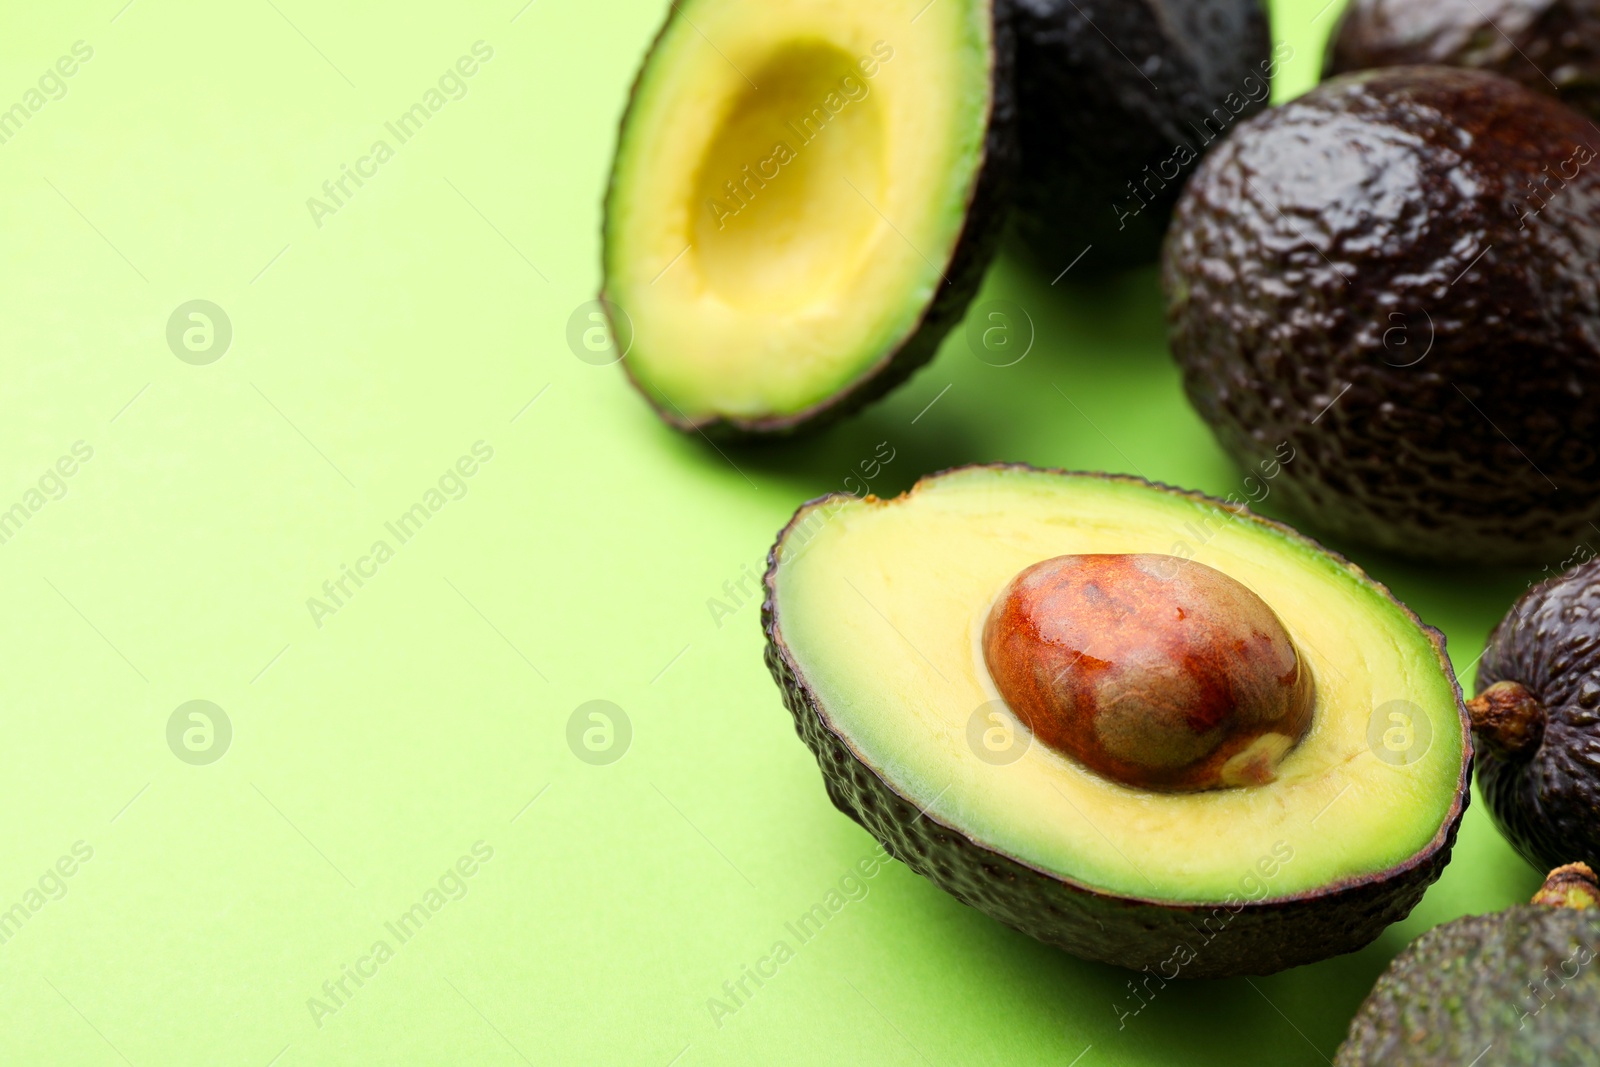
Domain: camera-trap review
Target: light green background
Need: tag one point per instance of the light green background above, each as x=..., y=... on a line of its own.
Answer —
x=371, y=752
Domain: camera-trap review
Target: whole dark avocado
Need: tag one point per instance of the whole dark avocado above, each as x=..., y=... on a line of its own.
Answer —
x=1117, y=100
x=1551, y=46
x=1504, y=990
x=1398, y=274
x=1537, y=720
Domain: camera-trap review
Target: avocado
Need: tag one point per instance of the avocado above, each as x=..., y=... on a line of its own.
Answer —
x=1551, y=46
x=1117, y=100
x=1110, y=714
x=802, y=203
x=1536, y=717
x=1395, y=274
x=1503, y=990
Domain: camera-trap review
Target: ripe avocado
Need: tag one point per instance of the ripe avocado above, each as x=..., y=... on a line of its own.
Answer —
x=1117, y=99
x=802, y=203
x=1395, y=273
x=1110, y=714
x=1537, y=720
x=1504, y=990
x=1551, y=46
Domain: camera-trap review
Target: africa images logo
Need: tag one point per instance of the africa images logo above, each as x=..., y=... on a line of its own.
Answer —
x=743, y=187
x=451, y=85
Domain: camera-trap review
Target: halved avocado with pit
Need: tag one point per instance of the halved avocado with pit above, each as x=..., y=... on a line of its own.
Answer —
x=803, y=200
x=1141, y=724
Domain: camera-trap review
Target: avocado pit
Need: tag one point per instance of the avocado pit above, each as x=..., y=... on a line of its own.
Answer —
x=1151, y=670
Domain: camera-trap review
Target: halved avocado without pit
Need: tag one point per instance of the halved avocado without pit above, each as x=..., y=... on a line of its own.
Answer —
x=1138, y=723
x=803, y=200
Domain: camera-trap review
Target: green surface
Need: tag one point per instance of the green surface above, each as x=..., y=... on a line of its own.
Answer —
x=370, y=753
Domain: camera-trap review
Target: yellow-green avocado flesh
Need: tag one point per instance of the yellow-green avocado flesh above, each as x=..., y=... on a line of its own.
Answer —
x=874, y=612
x=803, y=199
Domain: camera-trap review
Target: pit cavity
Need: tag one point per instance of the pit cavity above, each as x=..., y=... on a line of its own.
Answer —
x=782, y=214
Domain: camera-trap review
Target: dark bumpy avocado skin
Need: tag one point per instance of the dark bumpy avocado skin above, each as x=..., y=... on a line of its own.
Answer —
x=1551, y=46
x=1248, y=937
x=988, y=207
x=1349, y=273
x=1516, y=988
x=1547, y=801
x=1107, y=88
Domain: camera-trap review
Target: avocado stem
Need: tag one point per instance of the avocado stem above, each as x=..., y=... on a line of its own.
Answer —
x=1572, y=886
x=1507, y=720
